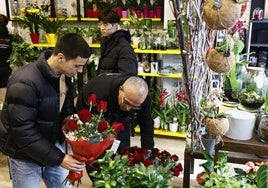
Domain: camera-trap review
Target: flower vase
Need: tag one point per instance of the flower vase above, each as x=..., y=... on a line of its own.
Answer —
x=157, y=122
x=209, y=144
x=34, y=38
x=89, y=13
x=145, y=12
x=263, y=129
x=158, y=12
x=138, y=13
x=151, y=13
x=51, y=38
x=124, y=13
x=173, y=127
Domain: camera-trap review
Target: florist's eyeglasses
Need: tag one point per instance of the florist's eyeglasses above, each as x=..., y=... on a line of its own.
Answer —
x=125, y=102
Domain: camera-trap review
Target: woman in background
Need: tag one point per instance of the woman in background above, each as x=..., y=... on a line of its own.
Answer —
x=5, y=51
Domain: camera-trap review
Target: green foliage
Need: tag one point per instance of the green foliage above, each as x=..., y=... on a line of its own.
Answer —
x=52, y=25
x=262, y=177
x=115, y=171
x=23, y=53
x=220, y=174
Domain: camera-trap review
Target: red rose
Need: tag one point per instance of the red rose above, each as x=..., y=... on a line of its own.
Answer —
x=92, y=99
x=202, y=177
x=138, y=157
x=102, y=126
x=85, y=115
x=175, y=157
x=102, y=106
x=118, y=126
x=148, y=162
x=72, y=125
x=176, y=170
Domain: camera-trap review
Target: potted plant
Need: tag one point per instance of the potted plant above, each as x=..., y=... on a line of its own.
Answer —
x=52, y=27
x=23, y=54
x=31, y=20
x=219, y=174
x=215, y=122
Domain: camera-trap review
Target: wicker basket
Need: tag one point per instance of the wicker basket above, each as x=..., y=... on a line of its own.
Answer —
x=223, y=16
x=220, y=62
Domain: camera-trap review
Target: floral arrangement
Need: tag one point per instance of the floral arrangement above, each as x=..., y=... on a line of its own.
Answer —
x=137, y=167
x=89, y=134
x=31, y=19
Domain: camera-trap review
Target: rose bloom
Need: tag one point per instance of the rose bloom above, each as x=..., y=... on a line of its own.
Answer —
x=92, y=99
x=85, y=115
x=102, y=126
x=118, y=126
x=72, y=125
x=102, y=106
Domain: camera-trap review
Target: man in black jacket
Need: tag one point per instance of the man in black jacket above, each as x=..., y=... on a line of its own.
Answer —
x=39, y=97
x=117, y=54
x=126, y=94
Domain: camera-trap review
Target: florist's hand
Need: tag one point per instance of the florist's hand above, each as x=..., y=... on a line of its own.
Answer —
x=72, y=164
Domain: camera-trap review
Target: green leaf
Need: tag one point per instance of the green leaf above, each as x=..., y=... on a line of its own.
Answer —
x=262, y=177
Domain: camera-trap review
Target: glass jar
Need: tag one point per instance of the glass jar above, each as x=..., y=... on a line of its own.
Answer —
x=252, y=93
x=263, y=129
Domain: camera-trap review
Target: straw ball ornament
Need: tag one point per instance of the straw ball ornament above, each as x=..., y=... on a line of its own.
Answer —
x=220, y=62
x=221, y=14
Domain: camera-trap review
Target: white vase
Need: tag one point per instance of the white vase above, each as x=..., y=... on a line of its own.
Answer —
x=173, y=127
x=157, y=122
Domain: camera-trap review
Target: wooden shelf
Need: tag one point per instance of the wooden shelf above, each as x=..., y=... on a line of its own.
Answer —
x=178, y=75
x=165, y=133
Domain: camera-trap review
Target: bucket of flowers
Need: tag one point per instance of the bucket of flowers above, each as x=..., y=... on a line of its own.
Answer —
x=88, y=134
x=137, y=167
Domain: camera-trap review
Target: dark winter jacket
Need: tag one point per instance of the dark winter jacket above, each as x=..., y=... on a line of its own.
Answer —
x=117, y=54
x=106, y=87
x=5, y=46
x=31, y=122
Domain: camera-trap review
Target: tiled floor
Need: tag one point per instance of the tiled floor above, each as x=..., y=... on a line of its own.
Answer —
x=171, y=144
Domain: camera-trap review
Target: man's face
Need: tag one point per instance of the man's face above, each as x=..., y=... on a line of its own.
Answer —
x=107, y=29
x=72, y=66
x=128, y=100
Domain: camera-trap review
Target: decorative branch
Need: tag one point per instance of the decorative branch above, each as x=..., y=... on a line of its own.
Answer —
x=194, y=39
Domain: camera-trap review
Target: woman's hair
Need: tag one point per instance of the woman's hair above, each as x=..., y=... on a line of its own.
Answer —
x=72, y=45
x=109, y=16
x=3, y=20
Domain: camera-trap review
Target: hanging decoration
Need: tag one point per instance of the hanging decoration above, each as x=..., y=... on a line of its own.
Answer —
x=221, y=14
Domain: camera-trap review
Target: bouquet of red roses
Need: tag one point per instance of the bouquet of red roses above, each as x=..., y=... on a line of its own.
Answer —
x=89, y=134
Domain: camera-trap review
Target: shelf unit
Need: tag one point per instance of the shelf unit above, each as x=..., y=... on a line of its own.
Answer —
x=257, y=42
x=165, y=133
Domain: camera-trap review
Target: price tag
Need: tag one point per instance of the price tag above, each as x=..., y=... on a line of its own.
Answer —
x=115, y=146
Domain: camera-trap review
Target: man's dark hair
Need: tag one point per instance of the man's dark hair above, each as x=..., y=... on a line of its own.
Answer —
x=72, y=45
x=109, y=16
x=3, y=20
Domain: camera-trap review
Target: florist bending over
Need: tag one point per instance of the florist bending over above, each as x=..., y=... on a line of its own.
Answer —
x=126, y=95
x=39, y=96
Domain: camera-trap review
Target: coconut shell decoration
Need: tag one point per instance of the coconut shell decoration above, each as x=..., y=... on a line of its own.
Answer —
x=217, y=127
x=220, y=62
x=221, y=14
